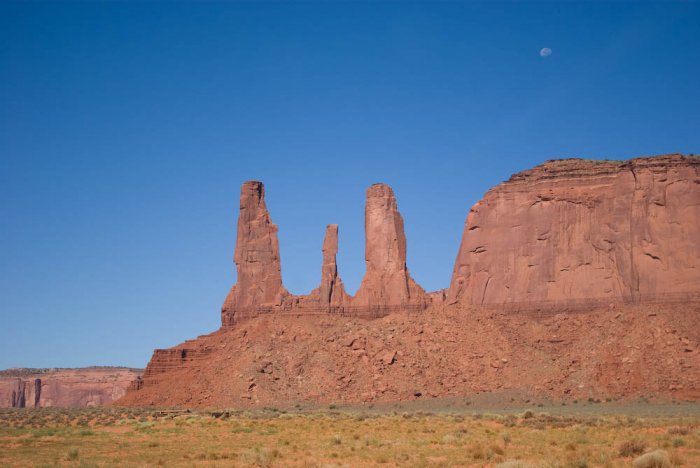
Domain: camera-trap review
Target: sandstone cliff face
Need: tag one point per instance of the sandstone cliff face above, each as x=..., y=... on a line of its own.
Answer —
x=582, y=232
x=386, y=287
x=34, y=388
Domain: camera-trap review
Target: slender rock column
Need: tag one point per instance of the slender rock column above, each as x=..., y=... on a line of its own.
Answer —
x=331, y=291
x=256, y=256
x=387, y=282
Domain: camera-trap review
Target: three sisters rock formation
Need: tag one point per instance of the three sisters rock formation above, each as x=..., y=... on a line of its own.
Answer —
x=602, y=255
x=386, y=287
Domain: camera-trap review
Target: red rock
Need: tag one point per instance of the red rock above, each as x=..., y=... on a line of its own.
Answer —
x=387, y=283
x=389, y=357
x=92, y=386
x=386, y=287
x=257, y=258
x=331, y=291
x=548, y=241
x=583, y=232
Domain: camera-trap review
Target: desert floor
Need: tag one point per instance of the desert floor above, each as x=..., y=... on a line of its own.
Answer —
x=581, y=434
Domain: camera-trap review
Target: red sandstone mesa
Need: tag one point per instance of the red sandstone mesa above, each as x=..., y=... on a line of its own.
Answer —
x=616, y=241
x=90, y=386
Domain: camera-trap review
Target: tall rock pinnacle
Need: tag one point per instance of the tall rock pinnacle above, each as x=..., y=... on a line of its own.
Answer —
x=386, y=281
x=386, y=287
x=331, y=291
x=256, y=255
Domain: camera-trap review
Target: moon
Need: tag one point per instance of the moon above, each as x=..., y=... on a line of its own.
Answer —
x=545, y=52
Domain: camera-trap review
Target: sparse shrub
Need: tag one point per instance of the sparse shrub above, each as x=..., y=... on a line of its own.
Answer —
x=243, y=429
x=631, y=447
x=655, y=459
x=679, y=430
x=497, y=449
x=528, y=414
x=476, y=452
x=678, y=442
x=677, y=460
x=381, y=459
x=73, y=454
x=336, y=440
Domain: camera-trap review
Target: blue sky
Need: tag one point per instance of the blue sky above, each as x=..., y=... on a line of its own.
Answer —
x=126, y=131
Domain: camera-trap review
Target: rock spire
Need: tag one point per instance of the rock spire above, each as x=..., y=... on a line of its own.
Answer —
x=256, y=256
x=386, y=281
x=331, y=291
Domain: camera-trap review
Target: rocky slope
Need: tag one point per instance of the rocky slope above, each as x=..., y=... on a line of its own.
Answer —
x=88, y=386
x=574, y=279
x=621, y=352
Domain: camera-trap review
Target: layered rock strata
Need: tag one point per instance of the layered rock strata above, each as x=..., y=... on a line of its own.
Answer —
x=387, y=286
x=34, y=388
x=580, y=233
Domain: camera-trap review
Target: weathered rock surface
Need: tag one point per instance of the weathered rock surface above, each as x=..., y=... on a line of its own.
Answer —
x=601, y=261
x=575, y=232
x=257, y=259
x=91, y=386
x=386, y=287
x=331, y=292
x=387, y=282
x=450, y=351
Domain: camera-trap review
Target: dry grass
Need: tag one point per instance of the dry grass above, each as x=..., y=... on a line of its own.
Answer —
x=267, y=438
x=632, y=447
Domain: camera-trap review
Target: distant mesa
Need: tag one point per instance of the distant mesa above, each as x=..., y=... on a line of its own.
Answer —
x=73, y=388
